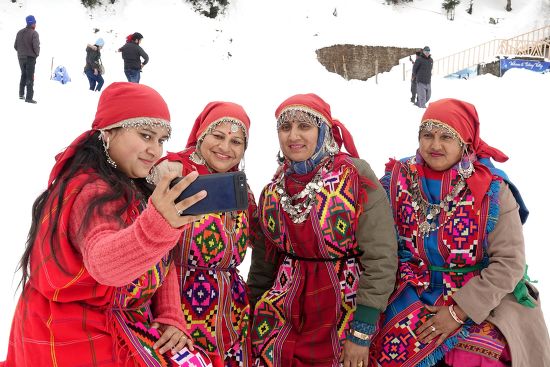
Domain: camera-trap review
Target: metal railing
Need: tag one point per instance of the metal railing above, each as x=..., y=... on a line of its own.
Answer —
x=533, y=44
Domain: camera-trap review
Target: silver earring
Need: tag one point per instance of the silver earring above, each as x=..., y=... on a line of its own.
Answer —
x=330, y=145
x=465, y=165
x=280, y=158
x=106, y=145
x=242, y=164
x=196, y=158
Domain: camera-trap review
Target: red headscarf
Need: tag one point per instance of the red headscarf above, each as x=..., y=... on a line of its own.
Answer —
x=462, y=117
x=315, y=105
x=119, y=102
x=214, y=112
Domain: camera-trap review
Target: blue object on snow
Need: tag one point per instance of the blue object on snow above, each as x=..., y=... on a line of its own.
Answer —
x=61, y=75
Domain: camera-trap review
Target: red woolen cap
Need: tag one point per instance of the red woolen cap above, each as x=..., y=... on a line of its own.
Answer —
x=119, y=102
x=123, y=101
x=462, y=117
x=213, y=113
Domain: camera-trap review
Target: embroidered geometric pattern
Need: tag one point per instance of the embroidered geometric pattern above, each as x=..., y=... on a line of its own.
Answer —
x=458, y=242
x=334, y=218
x=213, y=295
x=135, y=297
x=486, y=340
x=133, y=314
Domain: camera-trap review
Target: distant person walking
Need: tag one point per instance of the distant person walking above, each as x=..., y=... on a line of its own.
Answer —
x=94, y=67
x=132, y=53
x=413, y=79
x=422, y=73
x=27, y=45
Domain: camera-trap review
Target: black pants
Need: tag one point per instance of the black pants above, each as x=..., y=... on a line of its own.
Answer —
x=413, y=91
x=27, y=65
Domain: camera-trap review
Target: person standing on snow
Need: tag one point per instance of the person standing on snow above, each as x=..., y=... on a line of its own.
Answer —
x=132, y=53
x=27, y=45
x=94, y=67
x=422, y=73
x=413, y=79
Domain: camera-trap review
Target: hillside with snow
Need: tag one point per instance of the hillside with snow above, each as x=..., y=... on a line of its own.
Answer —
x=258, y=54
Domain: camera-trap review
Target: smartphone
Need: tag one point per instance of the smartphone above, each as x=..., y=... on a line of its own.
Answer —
x=226, y=192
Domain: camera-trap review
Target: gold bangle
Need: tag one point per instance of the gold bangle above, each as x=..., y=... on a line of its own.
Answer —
x=360, y=335
x=454, y=315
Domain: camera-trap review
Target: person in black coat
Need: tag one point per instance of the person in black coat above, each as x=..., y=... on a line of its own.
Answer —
x=132, y=54
x=94, y=67
x=27, y=45
x=413, y=80
x=422, y=73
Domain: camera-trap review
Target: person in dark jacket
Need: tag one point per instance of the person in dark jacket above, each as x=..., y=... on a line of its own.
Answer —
x=422, y=73
x=413, y=80
x=94, y=68
x=27, y=45
x=132, y=53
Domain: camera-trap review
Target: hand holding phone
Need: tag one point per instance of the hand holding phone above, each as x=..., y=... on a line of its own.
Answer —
x=225, y=192
x=163, y=199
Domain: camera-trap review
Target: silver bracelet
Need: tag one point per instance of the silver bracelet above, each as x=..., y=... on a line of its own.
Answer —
x=454, y=315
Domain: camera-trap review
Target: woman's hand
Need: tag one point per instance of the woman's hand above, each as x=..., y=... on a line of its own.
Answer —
x=171, y=338
x=163, y=199
x=440, y=325
x=354, y=355
x=164, y=168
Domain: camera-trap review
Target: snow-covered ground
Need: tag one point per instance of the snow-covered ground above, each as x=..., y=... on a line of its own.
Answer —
x=272, y=47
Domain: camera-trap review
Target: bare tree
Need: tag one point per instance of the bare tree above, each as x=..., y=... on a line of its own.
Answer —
x=449, y=6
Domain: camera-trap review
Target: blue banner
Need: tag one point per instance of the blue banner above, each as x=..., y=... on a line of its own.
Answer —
x=538, y=66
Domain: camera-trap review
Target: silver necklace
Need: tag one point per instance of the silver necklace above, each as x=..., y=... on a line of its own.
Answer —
x=300, y=211
x=427, y=214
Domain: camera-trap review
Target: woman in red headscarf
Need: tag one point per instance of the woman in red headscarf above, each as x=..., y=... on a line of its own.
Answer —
x=462, y=298
x=213, y=295
x=99, y=285
x=329, y=261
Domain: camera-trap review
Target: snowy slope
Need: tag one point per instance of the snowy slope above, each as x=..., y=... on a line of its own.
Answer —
x=272, y=47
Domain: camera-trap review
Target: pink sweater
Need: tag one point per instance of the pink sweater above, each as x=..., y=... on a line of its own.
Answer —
x=116, y=256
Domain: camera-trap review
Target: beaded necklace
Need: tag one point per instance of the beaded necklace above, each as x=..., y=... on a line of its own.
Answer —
x=425, y=211
x=300, y=211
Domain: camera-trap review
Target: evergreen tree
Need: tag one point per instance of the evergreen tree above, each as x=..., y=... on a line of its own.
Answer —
x=209, y=8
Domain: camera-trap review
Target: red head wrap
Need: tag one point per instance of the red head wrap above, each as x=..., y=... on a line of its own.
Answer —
x=215, y=112
x=119, y=102
x=315, y=105
x=462, y=117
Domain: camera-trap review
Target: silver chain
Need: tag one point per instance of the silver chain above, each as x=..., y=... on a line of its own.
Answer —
x=427, y=214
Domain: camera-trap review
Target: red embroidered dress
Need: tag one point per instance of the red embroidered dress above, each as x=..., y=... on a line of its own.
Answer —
x=213, y=294
x=66, y=317
x=458, y=244
x=302, y=319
